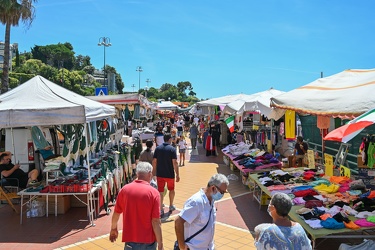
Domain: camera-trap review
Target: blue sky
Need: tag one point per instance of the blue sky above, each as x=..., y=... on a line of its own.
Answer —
x=221, y=47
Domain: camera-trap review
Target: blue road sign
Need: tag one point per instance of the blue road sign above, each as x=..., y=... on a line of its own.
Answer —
x=101, y=91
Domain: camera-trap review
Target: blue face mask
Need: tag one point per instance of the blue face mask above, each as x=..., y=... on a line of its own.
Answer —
x=217, y=196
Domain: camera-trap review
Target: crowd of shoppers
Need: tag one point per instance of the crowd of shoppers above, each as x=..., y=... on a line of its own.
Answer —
x=195, y=223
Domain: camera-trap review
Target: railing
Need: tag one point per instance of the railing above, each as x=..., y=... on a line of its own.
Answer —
x=351, y=159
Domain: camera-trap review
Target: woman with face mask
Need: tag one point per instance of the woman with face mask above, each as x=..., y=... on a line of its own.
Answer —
x=199, y=213
x=282, y=233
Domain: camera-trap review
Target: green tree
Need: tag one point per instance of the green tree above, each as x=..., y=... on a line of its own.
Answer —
x=119, y=84
x=11, y=13
x=31, y=66
x=54, y=54
x=89, y=69
x=48, y=71
x=81, y=62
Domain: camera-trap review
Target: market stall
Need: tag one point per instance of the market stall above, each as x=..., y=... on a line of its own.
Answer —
x=53, y=105
x=345, y=94
x=247, y=169
x=242, y=157
x=317, y=198
x=249, y=111
x=137, y=104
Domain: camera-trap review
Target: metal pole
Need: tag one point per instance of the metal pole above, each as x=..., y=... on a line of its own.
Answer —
x=148, y=81
x=104, y=68
x=139, y=69
x=105, y=42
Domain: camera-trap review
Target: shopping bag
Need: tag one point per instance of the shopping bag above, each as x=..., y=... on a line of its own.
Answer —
x=175, y=246
x=305, y=160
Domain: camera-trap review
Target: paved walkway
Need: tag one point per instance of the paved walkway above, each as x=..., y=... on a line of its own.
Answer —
x=231, y=231
x=237, y=215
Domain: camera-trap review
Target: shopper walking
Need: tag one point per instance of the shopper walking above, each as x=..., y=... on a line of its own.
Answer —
x=159, y=135
x=195, y=224
x=147, y=155
x=182, y=149
x=166, y=170
x=139, y=204
x=180, y=124
x=174, y=137
x=193, y=135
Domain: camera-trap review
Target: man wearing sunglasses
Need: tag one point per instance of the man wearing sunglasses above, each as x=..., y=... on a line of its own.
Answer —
x=195, y=224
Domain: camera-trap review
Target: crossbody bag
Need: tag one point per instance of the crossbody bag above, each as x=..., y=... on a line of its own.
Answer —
x=176, y=247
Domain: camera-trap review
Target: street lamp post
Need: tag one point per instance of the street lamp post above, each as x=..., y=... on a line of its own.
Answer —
x=139, y=69
x=105, y=42
x=146, y=89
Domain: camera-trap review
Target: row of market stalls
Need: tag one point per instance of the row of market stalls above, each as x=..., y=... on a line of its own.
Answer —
x=321, y=106
x=332, y=101
x=248, y=111
x=92, y=162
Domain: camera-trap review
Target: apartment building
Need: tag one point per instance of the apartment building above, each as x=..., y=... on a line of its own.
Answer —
x=12, y=54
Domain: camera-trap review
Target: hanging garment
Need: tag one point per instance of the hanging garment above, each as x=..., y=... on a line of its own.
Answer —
x=371, y=155
x=323, y=122
x=210, y=148
x=282, y=128
x=290, y=124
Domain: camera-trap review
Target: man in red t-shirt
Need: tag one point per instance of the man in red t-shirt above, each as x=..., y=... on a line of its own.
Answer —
x=139, y=204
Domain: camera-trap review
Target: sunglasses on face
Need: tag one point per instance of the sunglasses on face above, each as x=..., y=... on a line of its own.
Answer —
x=218, y=189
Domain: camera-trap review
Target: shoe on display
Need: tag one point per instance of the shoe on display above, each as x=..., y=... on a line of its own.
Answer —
x=34, y=183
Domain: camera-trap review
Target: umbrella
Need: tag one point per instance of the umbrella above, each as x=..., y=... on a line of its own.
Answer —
x=346, y=132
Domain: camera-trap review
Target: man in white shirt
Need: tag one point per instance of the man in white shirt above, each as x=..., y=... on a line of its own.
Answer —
x=196, y=120
x=199, y=212
x=180, y=124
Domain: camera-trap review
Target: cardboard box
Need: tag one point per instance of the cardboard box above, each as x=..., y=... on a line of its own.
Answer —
x=63, y=203
x=74, y=202
x=250, y=183
x=265, y=200
x=360, y=162
x=233, y=167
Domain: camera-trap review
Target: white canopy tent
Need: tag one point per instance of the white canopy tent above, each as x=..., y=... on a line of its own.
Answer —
x=42, y=102
x=346, y=94
x=224, y=100
x=166, y=105
x=243, y=103
x=256, y=102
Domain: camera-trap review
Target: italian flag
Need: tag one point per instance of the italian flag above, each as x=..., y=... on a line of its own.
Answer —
x=230, y=123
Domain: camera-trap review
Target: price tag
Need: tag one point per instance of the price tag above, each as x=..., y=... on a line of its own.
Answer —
x=328, y=163
x=311, y=157
x=344, y=171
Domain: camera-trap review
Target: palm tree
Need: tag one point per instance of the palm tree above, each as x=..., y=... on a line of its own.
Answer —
x=11, y=12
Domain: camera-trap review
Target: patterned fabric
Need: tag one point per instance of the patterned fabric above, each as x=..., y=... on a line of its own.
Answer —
x=273, y=237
